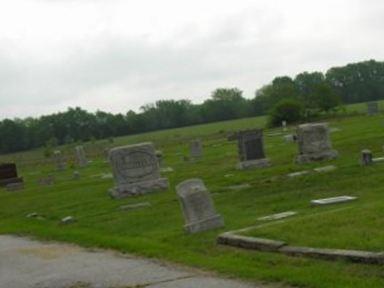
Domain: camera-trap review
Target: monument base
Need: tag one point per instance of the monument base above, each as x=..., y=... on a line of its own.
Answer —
x=5, y=182
x=259, y=163
x=326, y=155
x=213, y=222
x=139, y=188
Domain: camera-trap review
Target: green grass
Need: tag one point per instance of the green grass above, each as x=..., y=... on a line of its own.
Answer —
x=156, y=231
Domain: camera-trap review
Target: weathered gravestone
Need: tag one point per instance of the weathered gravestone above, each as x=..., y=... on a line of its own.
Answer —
x=135, y=170
x=372, y=108
x=81, y=159
x=159, y=156
x=59, y=160
x=8, y=174
x=250, y=149
x=366, y=157
x=197, y=205
x=196, y=148
x=314, y=143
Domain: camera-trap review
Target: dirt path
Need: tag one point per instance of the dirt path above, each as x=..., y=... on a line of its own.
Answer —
x=27, y=263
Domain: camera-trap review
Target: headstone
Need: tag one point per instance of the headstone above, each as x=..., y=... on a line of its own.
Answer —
x=314, y=143
x=59, y=160
x=290, y=138
x=284, y=125
x=76, y=175
x=251, y=149
x=49, y=180
x=67, y=220
x=299, y=173
x=333, y=200
x=135, y=206
x=8, y=174
x=196, y=149
x=325, y=168
x=197, y=206
x=135, y=170
x=80, y=156
x=373, y=108
x=366, y=157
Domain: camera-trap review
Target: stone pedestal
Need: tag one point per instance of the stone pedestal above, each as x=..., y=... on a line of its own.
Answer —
x=251, y=149
x=314, y=143
x=135, y=170
x=197, y=205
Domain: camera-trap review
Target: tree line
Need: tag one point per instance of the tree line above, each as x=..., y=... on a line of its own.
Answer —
x=305, y=95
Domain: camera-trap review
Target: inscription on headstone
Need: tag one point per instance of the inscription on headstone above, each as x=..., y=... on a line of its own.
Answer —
x=8, y=174
x=197, y=206
x=314, y=143
x=250, y=149
x=135, y=170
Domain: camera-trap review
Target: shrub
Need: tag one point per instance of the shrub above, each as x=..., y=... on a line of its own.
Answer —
x=289, y=110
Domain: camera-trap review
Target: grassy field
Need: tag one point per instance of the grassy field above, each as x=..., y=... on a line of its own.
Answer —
x=156, y=231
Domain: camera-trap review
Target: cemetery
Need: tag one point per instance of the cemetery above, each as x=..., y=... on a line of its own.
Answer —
x=258, y=208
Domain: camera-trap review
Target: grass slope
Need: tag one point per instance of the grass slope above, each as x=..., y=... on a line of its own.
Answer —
x=156, y=231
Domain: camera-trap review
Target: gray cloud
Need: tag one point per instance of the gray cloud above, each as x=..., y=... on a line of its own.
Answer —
x=246, y=49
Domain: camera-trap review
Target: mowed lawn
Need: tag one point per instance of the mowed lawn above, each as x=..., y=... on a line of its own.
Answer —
x=157, y=232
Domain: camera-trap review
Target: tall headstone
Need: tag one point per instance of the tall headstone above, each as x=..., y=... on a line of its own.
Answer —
x=8, y=174
x=373, y=108
x=314, y=143
x=250, y=148
x=196, y=148
x=135, y=170
x=284, y=125
x=366, y=157
x=81, y=159
x=59, y=160
x=197, y=206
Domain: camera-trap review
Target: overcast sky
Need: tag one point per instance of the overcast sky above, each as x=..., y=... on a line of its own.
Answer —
x=116, y=55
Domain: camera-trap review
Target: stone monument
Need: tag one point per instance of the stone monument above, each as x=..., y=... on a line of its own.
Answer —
x=373, y=108
x=366, y=157
x=59, y=160
x=8, y=174
x=250, y=149
x=196, y=149
x=197, y=205
x=314, y=143
x=135, y=170
x=80, y=156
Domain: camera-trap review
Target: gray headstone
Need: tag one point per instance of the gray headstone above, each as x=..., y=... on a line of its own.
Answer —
x=80, y=156
x=314, y=143
x=159, y=155
x=284, y=125
x=196, y=148
x=135, y=170
x=15, y=186
x=251, y=149
x=366, y=157
x=197, y=205
x=48, y=180
x=373, y=108
x=59, y=160
x=76, y=175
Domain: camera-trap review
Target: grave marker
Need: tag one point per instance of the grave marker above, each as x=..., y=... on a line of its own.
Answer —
x=197, y=206
x=373, y=108
x=135, y=170
x=8, y=174
x=196, y=149
x=80, y=156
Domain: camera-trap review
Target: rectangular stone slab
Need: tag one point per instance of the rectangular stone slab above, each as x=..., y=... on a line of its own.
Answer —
x=246, y=242
x=277, y=216
x=333, y=200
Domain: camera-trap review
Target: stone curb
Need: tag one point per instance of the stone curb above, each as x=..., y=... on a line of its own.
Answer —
x=268, y=245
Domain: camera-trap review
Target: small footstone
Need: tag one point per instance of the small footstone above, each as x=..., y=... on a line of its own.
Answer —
x=277, y=216
x=67, y=220
x=239, y=187
x=135, y=206
x=325, y=168
x=299, y=173
x=333, y=200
